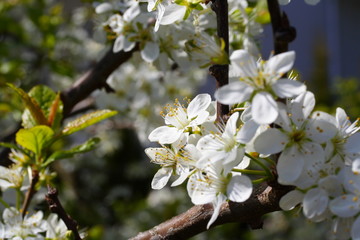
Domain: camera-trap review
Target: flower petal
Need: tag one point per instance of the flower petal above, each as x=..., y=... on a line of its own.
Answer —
x=352, y=144
x=239, y=188
x=199, y=104
x=270, y=141
x=161, y=178
x=150, y=52
x=165, y=135
x=291, y=200
x=236, y=92
x=287, y=88
x=315, y=203
x=217, y=205
x=280, y=63
x=247, y=131
x=290, y=165
x=242, y=64
x=173, y=13
x=344, y=206
x=119, y=44
x=355, y=233
x=264, y=108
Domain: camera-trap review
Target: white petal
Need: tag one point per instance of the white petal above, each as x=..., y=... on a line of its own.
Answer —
x=352, y=144
x=242, y=64
x=270, y=141
x=247, y=131
x=128, y=45
x=161, y=178
x=220, y=199
x=284, y=2
x=342, y=118
x=181, y=179
x=291, y=200
x=301, y=107
x=290, y=165
x=165, y=135
x=119, y=44
x=230, y=127
x=236, y=92
x=344, y=206
x=160, y=14
x=312, y=2
x=199, y=104
x=152, y=152
x=239, y=188
x=315, y=203
x=320, y=130
x=103, y=7
x=150, y=52
x=172, y=14
x=280, y=63
x=287, y=88
x=131, y=12
x=355, y=229
x=356, y=166
x=264, y=108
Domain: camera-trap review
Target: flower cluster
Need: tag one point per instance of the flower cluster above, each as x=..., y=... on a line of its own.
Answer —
x=315, y=152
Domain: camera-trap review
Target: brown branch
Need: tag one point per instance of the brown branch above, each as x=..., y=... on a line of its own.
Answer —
x=94, y=79
x=282, y=31
x=30, y=193
x=56, y=207
x=264, y=200
x=221, y=72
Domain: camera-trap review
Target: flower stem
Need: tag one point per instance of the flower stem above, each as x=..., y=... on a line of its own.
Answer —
x=260, y=180
x=253, y=172
x=4, y=203
x=257, y=161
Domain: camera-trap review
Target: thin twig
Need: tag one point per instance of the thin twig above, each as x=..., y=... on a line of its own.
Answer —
x=30, y=193
x=283, y=33
x=56, y=207
x=221, y=72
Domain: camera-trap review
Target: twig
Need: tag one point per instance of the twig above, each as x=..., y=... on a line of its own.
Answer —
x=221, y=72
x=94, y=79
x=192, y=222
x=56, y=207
x=30, y=193
x=282, y=31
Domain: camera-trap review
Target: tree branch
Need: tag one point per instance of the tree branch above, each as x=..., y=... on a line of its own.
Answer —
x=30, y=193
x=282, y=31
x=56, y=207
x=221, y=72
x=94, y=79
x=264, y=200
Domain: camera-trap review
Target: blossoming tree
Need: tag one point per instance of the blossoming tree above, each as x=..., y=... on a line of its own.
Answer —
x=258, y=148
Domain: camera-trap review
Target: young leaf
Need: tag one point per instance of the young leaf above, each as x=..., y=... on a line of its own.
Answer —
x=85, y=147
x=36, y=115
x=49, y=103
x=87, y=120
x=35, y=138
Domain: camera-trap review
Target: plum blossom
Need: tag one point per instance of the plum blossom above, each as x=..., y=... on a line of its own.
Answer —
x=261, y=82
x=228, y=145
x=174, y=160
x=215, y=185
x=180, y=120
x=298, y=140
x=15, y=227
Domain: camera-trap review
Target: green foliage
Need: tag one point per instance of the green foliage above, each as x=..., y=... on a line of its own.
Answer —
x=87, y=120
x=35, y=139
x=82, y=148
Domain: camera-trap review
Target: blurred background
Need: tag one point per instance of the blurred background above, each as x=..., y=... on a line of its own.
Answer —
x=108, y=190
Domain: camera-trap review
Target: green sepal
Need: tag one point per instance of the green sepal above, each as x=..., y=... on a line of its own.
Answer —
x=82, y=148
x=87, y=120
x=35, y=115
x=35, y=139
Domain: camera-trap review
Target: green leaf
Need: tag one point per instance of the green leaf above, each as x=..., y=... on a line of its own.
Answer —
x=85, y=147
x=87, y=120
x=10, y=145
x=35, y=138
x=35, y=113
x=50, y=105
